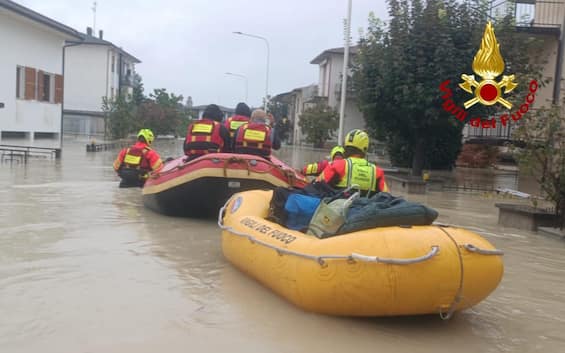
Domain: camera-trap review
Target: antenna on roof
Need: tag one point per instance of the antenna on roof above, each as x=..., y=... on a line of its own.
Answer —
x=94, y=19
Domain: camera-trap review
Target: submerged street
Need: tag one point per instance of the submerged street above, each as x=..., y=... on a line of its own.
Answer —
x=84, y=267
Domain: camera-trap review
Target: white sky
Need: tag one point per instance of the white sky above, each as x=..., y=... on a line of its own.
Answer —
x=186, y=46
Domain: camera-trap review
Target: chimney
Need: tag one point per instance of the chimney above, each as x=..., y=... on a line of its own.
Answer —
x=100, y=33
x=89, y=31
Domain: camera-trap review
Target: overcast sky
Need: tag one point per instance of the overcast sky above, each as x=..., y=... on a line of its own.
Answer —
x=186, y=46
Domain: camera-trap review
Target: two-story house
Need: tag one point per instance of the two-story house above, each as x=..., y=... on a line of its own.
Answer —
x=31, y=72
x=327, y=91
x=94, y=68
x=330, y=64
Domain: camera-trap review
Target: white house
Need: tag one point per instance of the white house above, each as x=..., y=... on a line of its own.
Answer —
x=31, y=69
x=94, y=68
x=329, y=85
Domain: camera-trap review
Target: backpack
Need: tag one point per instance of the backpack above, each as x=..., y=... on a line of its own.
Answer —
x=277, y=212
x=300, y=209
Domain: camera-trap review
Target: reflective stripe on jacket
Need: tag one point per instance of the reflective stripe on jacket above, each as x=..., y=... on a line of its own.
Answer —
x=203, y=137
x=253, y=138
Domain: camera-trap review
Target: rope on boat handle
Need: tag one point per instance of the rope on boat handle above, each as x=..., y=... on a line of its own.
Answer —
x=321, y=258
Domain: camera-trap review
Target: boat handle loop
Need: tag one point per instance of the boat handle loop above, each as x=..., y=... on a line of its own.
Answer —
x=475, y=249
x=321, y=259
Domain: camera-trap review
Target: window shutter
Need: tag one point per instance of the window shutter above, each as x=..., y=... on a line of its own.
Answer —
x=30, y=83
x=40, y=86
x=58, y=89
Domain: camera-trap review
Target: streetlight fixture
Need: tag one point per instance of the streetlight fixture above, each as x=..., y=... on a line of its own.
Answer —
x=268, y=59
x=344, y=74
x=246, y=83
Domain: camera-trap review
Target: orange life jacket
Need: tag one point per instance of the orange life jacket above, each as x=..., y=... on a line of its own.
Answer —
x=135, y=158
x=203, y=137
x=254, y=138
x=234, y=122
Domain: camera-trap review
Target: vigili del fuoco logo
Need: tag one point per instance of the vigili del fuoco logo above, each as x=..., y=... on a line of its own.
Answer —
x=488, y=64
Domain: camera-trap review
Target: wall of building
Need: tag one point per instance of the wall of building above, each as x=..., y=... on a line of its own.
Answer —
x=87, y=77
x=25, y=43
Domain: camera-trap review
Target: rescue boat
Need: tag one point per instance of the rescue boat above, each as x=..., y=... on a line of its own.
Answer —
x=199, y=188
x=388, y=271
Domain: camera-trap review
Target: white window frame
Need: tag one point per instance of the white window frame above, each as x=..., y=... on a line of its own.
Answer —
x=21, y=87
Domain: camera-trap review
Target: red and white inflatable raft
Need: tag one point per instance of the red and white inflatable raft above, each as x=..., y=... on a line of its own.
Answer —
x=200, y=187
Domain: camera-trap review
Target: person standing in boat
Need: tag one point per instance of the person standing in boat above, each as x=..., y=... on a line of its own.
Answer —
x=355, y=169
x=314, y=169
x=241, y=116
x=207, y=135
x=257, y=137
x=134, y=163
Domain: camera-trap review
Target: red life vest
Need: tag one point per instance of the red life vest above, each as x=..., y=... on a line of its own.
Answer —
x=203, y=137
x=135, y=158
x=254, y=138
x=235, y=122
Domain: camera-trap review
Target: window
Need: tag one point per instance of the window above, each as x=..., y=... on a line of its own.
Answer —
x=45, y=94
x=112, y=93
x=113, y=63
x=20, y=82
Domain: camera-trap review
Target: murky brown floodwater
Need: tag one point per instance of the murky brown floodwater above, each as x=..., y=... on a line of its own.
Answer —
x=84, y=267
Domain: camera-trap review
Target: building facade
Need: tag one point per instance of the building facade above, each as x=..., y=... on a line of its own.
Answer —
x=31, y=67
x=330, y=64
x=94, y=69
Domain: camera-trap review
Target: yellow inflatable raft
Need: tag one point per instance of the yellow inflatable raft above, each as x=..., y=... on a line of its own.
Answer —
x=376, y=272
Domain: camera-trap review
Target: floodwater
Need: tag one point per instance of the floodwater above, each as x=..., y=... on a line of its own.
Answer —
x=84, y=267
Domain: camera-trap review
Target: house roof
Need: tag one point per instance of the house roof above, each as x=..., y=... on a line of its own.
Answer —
x=326, y=53
x=39, y=18
x=86, y=39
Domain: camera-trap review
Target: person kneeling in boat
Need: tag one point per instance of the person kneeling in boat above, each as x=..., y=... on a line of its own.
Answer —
x=314, y=169
x=134, y=163
x=257, y=137
x=355, y=169
x=207, y=135
x=241, y=117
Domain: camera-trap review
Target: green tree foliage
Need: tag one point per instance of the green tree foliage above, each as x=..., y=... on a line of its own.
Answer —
x=120, y=116
x=400, y=67
x=318, y=123
x=163, y=113
x=542, y=136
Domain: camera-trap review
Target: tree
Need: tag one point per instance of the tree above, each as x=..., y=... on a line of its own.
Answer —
x=162, y=112
x=542, y=136
x=120, y=116
x=319, y=123
x=400, y=67
x=137, y=97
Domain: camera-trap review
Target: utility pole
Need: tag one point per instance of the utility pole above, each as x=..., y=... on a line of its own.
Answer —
x=347, y=31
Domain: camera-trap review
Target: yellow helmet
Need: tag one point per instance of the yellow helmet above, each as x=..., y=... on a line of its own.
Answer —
x=336, y=150
x=147, y=135
x=358, y=139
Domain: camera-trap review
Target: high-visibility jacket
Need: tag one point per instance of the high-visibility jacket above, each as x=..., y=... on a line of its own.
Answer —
x=253, y=138
x=314, y=169
x=139, y=156
x=203, y=136
x=234, y=122
x=343, y=173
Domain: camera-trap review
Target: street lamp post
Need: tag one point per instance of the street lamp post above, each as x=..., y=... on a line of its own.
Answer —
x=246, y=83
x=344, y=74
x=268, y=59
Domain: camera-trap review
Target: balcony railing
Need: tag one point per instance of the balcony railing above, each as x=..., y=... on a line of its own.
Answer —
x=542, y=16
x=127, y=80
